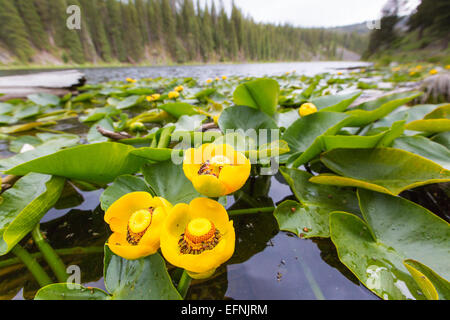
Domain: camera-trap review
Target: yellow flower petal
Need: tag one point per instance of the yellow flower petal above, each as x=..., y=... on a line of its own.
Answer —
x=120, y=211
x=209, y=186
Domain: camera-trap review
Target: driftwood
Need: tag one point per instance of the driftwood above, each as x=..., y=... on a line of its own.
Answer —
x=58, y=83
x=113, y=135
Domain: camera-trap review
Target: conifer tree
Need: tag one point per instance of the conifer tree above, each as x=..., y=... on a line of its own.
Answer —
x=114, y=29
x=35, y=29
x=13, y=31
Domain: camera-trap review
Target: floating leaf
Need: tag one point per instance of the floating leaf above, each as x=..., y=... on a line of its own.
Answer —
x=408, y=114
x=371, y=111
x=97, y=163
x=70, y=291
x=143, y=279
x=433, y=286
x=443, y=138
x=335, y=103
x=44, y=99
x=24, y=205
x=442, y=112
x=363, y=142
x=426, y=148
x=384, y=170
x=430, y=125
x=169, y=182
x=245, y=119
x=261, y=94
x=52, y=144
x=310, y=217
x=178, y=109
x=156, y=154
x=304, y=135
x=120, y=187
x=395, y=229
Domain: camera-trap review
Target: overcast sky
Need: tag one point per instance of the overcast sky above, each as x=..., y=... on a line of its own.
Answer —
x=310, y=13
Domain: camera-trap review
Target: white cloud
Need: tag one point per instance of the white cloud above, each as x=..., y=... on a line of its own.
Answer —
x=310, y=13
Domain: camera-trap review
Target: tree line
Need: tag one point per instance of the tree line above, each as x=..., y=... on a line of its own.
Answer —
x=158, y=31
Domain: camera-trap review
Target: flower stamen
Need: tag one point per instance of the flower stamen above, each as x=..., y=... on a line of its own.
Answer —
x=200, y=235
x=138, y=224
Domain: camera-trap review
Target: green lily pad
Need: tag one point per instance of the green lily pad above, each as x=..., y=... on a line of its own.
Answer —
x=395, y=229
x=304, y=135
x=97, y=163
x=426, y=148
x=120, y=187
x=51, y=145
x=261, y=94
x=70, y=291
x=433, y=286
x=363, y=142
x=384, y=170
x=245, y=119
x=371, y=111
x=178, y=109
x=335, y=103
x=169, y=182
x=156, y=154
x=429, y=125
x=286, y=119
x=24, y=205
x=442, y=112
x=442, y=138
x=44, y=99
x=409, y=114
x=126, y=103
x=142, y=279
x=309, y=217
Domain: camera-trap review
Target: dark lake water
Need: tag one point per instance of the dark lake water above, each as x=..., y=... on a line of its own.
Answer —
x=267, y=264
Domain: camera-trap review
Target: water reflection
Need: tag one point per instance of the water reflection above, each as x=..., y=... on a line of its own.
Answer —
x=203, y=72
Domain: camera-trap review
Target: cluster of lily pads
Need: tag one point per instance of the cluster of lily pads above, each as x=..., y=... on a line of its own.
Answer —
x=170, y=152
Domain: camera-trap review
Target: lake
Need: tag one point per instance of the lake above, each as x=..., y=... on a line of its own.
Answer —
x=203, y=72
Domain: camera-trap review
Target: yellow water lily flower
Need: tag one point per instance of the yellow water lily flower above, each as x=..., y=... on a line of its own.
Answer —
x=339, y=73
x=224, y=77
x=433, y=71
x=216, y=119
x=179, y=88
x=216, y=170
x=174, y=94
x=137, y=126
x=209, y=81
x=198, y=237
x=136, y=220
x=153, y=97
x=307, y=109
x=131, y=80
x=412, y=73
x=447, y=67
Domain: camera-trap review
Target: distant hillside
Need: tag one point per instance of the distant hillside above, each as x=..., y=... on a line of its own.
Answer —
x=422, y=36
x=34, y=32
x=359, y=28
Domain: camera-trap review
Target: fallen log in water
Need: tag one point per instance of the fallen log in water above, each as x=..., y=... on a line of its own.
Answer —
x=58, y=83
